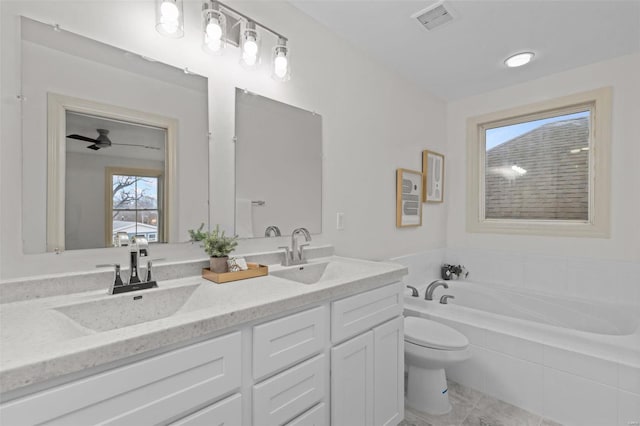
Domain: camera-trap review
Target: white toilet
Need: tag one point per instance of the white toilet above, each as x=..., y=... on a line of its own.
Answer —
x=429, y=347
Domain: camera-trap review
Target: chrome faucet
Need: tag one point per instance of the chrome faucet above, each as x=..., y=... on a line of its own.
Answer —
x=414, y=291
x=273, y=229
x=295, y=255
x=428, y=295
x=444, y=299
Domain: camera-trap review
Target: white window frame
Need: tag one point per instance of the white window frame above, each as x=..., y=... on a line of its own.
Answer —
x=598, y=223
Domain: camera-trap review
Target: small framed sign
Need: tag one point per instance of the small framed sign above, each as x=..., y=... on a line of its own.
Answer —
x=408, y=198
x=433, y=171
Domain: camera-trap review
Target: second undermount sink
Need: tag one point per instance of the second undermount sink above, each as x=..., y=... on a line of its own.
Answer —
x=112, y=312
x=312, y=273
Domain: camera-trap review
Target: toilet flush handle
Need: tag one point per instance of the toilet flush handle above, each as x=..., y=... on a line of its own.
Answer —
x=444, y=299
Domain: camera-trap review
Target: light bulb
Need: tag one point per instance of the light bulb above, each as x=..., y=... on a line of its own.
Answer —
x=169, y=10
x=280, y=65
x=250, y=47
x=214, y=31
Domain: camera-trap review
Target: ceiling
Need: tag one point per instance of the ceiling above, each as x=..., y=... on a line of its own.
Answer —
x=466, y=56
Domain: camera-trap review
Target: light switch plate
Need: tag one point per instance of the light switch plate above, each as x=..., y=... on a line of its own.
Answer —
x=339, y=221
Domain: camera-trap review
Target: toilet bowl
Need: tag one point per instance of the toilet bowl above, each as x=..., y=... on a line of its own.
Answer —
x=430, y=347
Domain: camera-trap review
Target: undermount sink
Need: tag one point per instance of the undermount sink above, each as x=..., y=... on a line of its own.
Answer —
x=128, y=309
x=312, y=273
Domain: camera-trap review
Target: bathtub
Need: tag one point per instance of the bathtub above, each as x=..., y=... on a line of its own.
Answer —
x=570, y=360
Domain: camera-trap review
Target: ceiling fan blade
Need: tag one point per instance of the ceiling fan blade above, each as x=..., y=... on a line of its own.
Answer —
x=94, y=147
x=82, y=138
x=139, y=146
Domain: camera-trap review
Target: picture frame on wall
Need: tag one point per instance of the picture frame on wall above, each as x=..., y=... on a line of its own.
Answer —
x=433, y=171
x=408, y=198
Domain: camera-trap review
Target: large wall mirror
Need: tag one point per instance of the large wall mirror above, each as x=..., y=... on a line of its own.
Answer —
x=278, y=167
x=102, y=131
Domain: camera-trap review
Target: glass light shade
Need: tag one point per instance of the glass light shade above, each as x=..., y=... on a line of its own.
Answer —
x=519, y=59
x=170, y=18
x=281, y=67
x=250, y=46
x=214, y=29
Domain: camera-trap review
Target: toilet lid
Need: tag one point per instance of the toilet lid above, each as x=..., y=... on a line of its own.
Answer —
x=431, y=334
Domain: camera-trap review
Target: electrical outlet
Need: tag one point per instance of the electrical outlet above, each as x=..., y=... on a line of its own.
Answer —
x=339, y=221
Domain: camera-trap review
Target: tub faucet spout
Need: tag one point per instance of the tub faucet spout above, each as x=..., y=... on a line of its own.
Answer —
x=428, y=295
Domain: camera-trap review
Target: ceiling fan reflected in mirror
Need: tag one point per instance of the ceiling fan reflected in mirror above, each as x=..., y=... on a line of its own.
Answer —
x=103, y=141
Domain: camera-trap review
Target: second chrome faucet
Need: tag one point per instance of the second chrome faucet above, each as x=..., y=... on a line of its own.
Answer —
x=295, y=255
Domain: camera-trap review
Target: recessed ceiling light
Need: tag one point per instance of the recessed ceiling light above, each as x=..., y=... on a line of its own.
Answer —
x=519, y=59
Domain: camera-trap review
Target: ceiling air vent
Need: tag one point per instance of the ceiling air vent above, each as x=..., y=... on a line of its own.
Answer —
x=435, y=15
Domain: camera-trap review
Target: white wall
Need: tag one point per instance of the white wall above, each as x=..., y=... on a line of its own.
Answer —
x=373, y=120
x=620, y=73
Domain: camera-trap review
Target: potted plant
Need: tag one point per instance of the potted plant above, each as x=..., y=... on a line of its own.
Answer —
x=198, y=234
x=218, y=246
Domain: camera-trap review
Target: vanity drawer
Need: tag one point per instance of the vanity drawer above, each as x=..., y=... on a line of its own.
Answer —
x=317, y=416
x=286, y=341
x=146, y=392
x=226, y=412
x=359, y=313
x=283, y=397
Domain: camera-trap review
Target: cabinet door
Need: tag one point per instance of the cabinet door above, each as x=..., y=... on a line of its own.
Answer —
x=227, y=412
x=317, y=416
x=150, y=391
x=352, y=382
x=388, y=381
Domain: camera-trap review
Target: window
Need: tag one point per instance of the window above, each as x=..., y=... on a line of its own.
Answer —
x=541, y=169
x=134, y=203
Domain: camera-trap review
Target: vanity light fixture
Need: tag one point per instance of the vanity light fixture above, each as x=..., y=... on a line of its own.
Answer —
x=519, y=59
x=219, y=23
x=250, y=45
x=169, y=18
x=281, y=61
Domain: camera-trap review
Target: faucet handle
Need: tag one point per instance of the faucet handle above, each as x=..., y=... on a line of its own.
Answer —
x=117, y=280
x=414, y=291
x=287, y=256
x=301, y=250
x=445, y=298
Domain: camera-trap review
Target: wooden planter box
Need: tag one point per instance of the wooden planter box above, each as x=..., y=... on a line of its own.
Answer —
x=255, y=270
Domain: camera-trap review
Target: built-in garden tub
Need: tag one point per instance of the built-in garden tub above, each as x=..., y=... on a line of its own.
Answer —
x=570, y=360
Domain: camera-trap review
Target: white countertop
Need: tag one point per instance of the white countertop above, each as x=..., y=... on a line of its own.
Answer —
x=40, y=343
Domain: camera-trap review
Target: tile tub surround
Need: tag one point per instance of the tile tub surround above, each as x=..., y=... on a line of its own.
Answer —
x=423, y=267
x=35, y=287
x=40, y=343
x=594, y=279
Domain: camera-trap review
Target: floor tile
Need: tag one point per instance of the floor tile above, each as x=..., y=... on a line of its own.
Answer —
x=462, y=399
x=411, y=419
x=493, y=412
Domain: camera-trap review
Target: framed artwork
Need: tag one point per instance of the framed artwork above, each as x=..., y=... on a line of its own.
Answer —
x=433, y=171
x=408, y=198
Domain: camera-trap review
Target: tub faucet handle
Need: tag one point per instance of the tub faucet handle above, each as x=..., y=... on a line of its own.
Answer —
x=414, y=291
x=444, y=299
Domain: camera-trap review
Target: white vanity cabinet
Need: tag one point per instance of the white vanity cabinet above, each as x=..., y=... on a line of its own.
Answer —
x=367, y=370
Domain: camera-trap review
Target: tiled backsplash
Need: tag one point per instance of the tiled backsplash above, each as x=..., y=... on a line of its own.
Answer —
x=605, y=280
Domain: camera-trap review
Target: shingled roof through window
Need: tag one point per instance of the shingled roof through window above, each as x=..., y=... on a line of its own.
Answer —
x=555, y=185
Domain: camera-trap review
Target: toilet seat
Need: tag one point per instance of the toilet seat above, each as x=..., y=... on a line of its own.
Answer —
x=430, y=334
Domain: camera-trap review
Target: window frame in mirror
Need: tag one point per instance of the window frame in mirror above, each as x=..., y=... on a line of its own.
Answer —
x=57, y=107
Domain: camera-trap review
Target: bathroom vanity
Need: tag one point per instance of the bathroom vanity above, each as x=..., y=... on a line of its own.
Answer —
x=320, y=344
